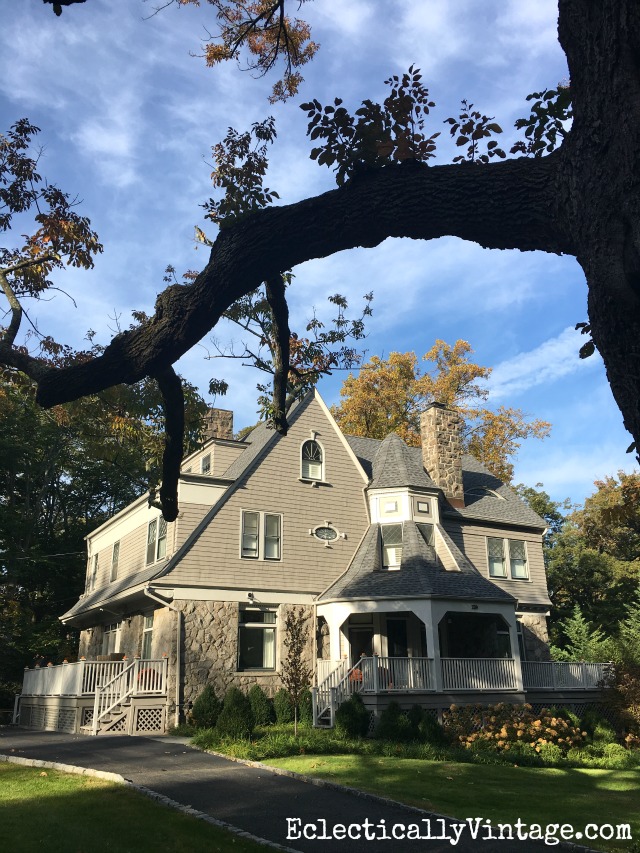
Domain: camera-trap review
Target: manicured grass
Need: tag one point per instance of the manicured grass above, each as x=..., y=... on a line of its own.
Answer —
x=59, y=812
x=502, y=793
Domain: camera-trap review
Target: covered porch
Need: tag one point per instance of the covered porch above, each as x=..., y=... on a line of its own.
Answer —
x=435, y=653
x=95, y=697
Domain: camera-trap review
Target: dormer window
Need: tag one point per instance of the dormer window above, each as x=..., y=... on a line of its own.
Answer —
x=205, y=465
x=311, y=461
x=391, y=545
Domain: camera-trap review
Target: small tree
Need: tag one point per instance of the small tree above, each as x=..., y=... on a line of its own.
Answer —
x=295, y=672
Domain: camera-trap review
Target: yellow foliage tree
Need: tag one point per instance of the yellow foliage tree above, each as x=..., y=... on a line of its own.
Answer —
x=388, y=395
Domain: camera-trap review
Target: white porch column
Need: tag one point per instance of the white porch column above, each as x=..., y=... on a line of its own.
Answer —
x=335, y=615
x=424, y=610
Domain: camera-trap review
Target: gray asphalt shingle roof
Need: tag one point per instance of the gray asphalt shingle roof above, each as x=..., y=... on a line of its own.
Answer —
x=395, y=466
x=507, y=508
x=420, y=575
x=112, y=590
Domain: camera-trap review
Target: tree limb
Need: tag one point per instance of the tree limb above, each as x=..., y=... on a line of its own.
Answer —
x=512, y=204
x=170, y=387
x=275, y=290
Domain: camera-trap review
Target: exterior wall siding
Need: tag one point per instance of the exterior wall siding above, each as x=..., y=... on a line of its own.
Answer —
x=133, y=553
x=274, y=487
x=472, y=540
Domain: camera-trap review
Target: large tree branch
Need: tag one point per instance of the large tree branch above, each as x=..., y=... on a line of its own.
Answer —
x=504, y=205
x=173, y=406
x=275, y=290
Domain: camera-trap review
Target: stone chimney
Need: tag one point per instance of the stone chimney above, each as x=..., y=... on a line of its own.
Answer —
x=218, y=423
x=442, y=450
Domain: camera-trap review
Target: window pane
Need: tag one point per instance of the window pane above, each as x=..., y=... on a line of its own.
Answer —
x=256, y=648
x=206, y=464
x=311, y=460
x=250, y=522
x=518, y=557
x=162, y=538
x=272, y=537
x=495, y=547
x=392, y=534
x=151, y=541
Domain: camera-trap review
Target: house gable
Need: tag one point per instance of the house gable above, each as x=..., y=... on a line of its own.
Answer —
x=268, y=482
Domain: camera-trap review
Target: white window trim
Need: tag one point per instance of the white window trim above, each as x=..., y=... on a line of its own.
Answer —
x=111, y=628
x=262, y=536
x=157, y=521
x=323, y=470
x=506, y=554
x=92, y=574
x=259, y=626
x=392, y=567
x=115, y=560
x=147, y=632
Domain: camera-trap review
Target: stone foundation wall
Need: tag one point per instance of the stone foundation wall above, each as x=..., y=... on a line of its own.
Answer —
x=536, y=636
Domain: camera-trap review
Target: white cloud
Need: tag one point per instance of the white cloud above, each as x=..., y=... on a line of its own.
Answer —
x=553, y=359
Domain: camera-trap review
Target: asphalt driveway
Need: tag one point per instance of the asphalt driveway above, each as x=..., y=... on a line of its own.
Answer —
x=274, y=807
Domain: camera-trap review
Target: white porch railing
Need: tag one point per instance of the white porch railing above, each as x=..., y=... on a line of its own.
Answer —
x=396, y=675
x=564, y=675
x=86, y=676
x=139, y=678
x=479, y=674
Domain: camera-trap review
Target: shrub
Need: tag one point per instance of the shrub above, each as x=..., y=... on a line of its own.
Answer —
x=305, y=707
x=352, y=718
x=502, y=725
x=430, y=730
x=283, y=707
x=236, y=719
x=617, y=757
x=551, y=753
x=394, y=726
x=206, y=709
x=261, y=706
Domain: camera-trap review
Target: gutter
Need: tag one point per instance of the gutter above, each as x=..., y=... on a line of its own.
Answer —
x=147, y=591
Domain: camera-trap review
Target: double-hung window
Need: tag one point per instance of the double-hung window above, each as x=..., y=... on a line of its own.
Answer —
x=256, y=639
x=261, y=535
x=508, y=554
x=156, y=540
x=147, y=637
x=391, y=545
x=93, y=573
x=111, y=638
x=205, y=464
x=115, y=556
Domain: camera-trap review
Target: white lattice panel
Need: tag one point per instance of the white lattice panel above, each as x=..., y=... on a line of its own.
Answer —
x=148, y=720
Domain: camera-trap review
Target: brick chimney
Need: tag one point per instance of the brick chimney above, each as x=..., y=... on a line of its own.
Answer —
x=440, y=428
x=218, y=423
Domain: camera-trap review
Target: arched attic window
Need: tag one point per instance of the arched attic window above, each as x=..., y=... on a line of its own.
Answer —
x=312, y=460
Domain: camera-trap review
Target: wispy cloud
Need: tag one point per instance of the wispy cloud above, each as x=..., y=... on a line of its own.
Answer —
x=553, y=359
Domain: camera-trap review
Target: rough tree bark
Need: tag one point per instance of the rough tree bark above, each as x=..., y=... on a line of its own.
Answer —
x=581, y=200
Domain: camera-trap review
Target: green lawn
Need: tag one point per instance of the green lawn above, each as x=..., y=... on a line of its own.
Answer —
x=60, y=812
x=502, y=793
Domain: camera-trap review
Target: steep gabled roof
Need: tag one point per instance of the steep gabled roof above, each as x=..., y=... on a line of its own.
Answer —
x=420, y=574
x=394, y=466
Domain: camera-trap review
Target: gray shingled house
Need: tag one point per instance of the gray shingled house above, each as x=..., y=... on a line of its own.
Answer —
x=422, y=575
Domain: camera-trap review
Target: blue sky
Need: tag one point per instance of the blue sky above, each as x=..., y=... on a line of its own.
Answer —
x=128, y=117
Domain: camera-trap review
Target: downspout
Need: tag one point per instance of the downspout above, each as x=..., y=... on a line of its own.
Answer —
x=165, y=603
